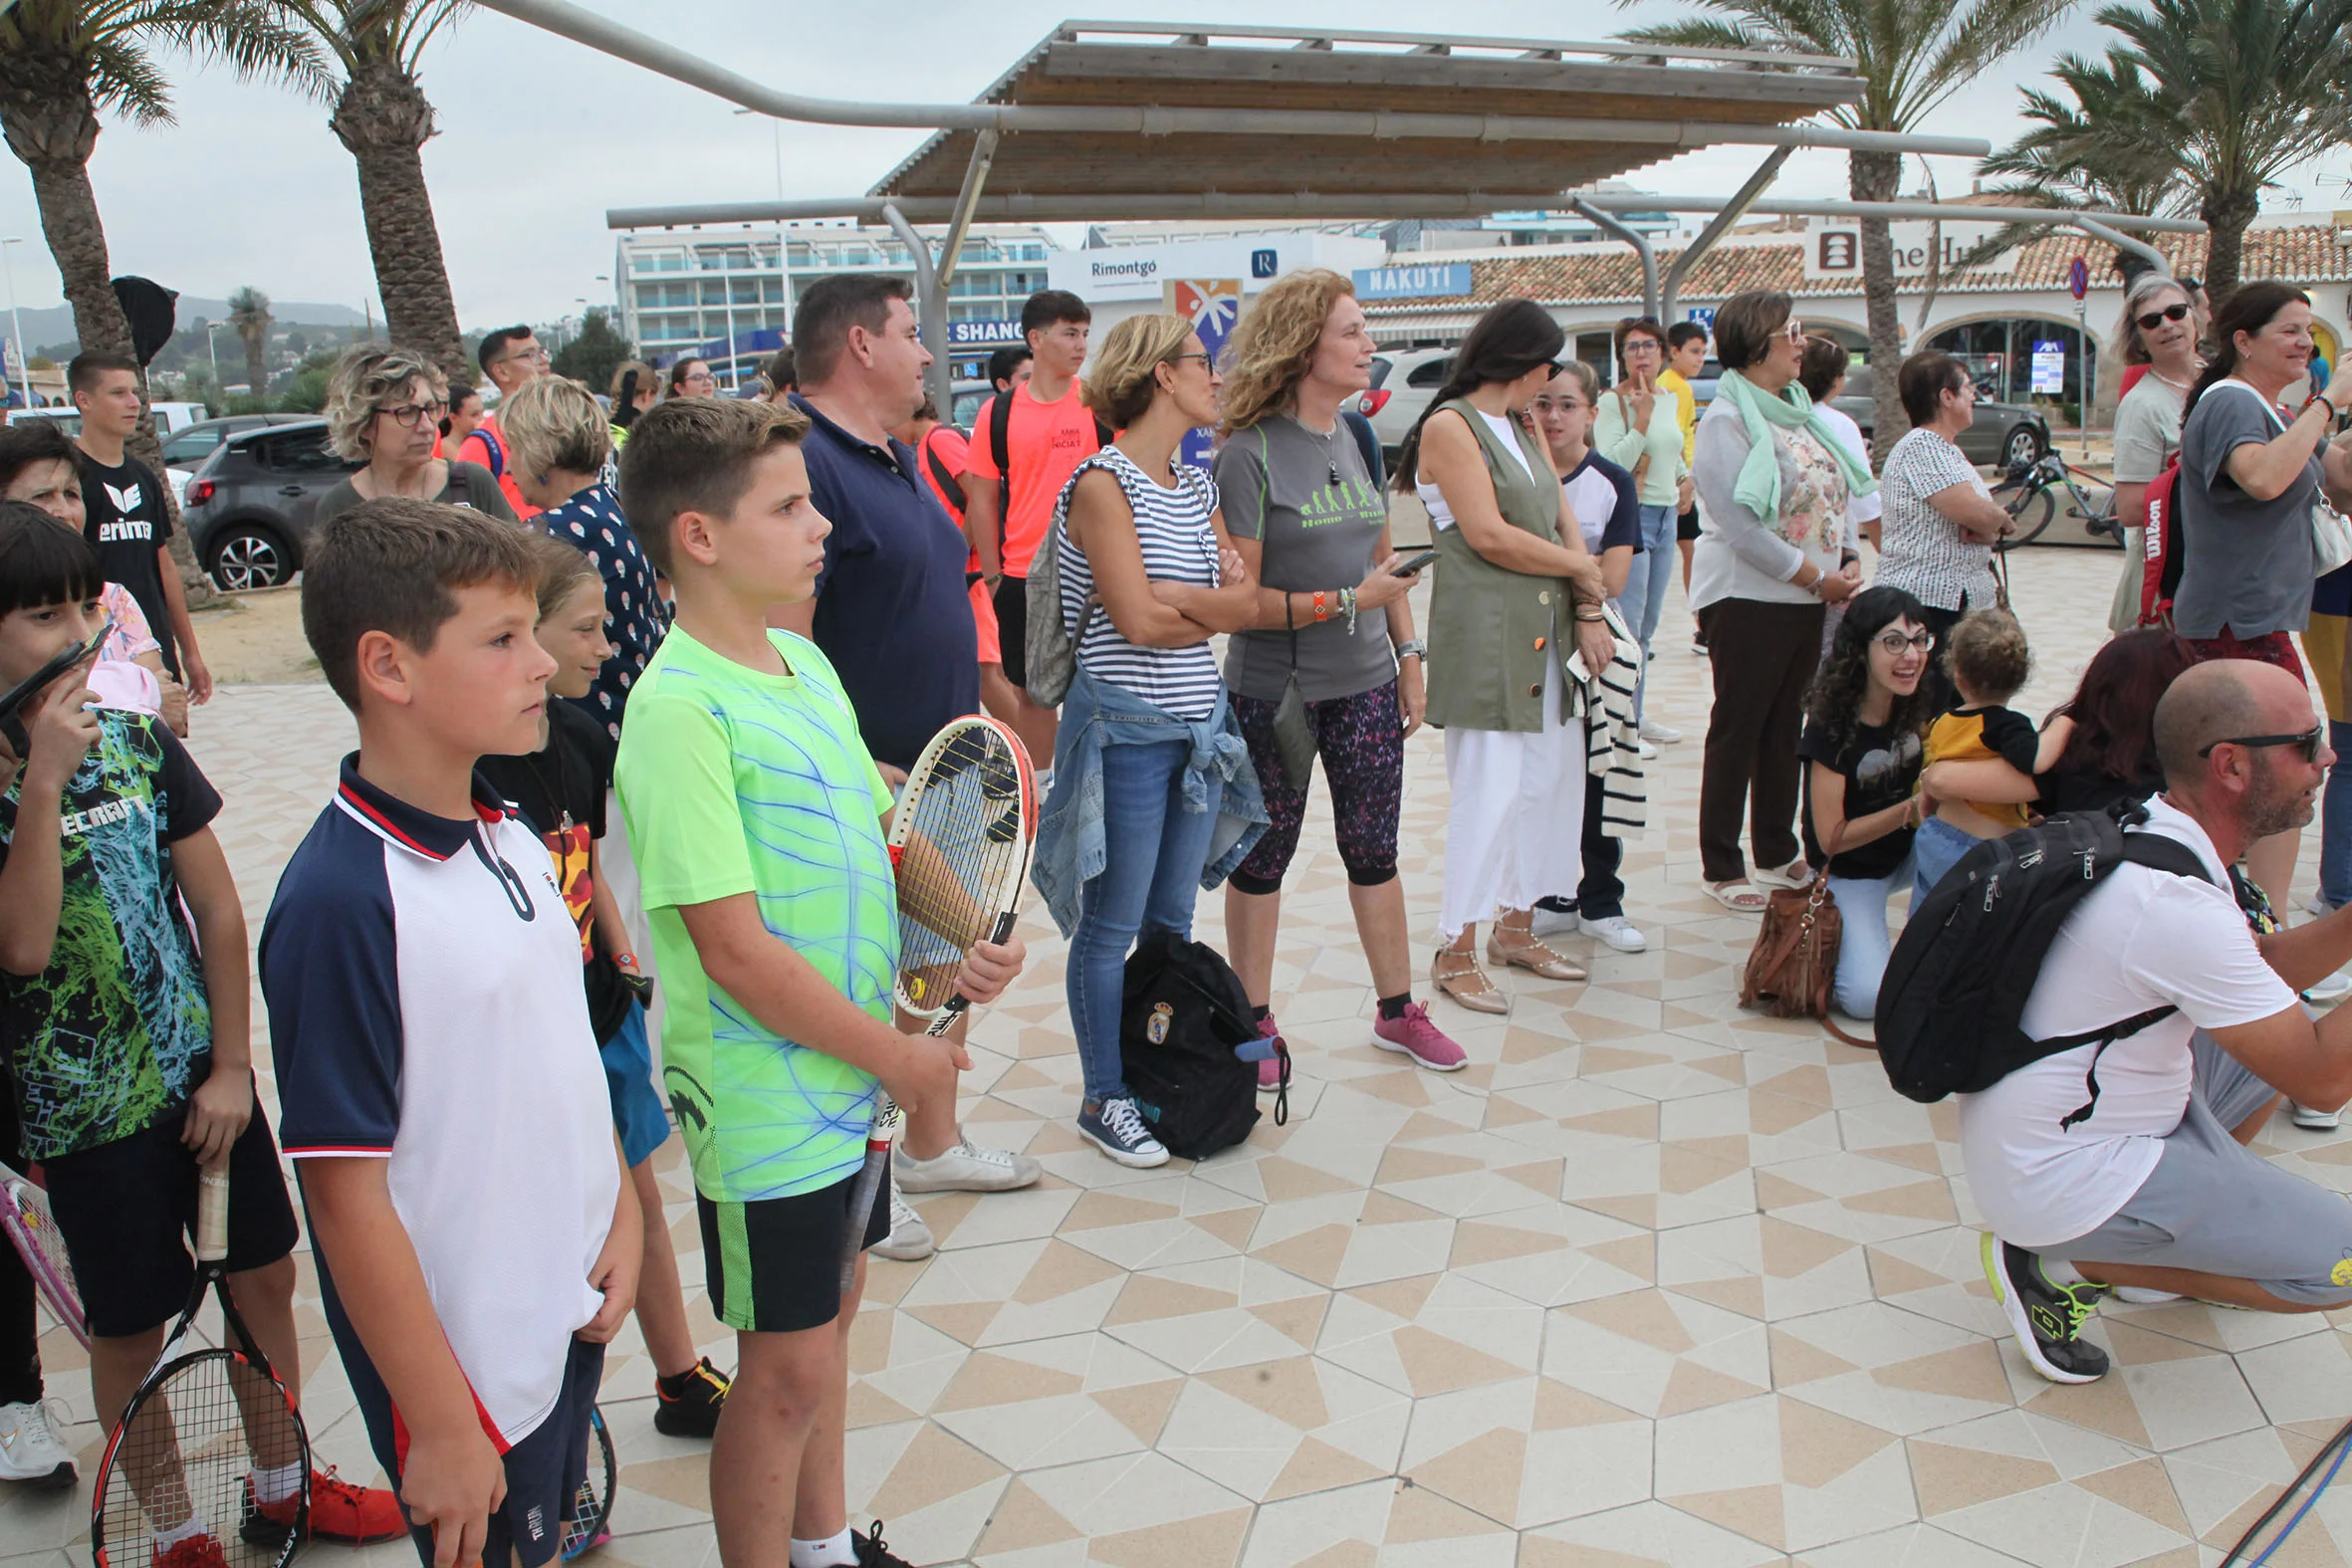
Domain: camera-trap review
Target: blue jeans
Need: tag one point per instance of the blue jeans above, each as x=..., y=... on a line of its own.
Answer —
x=1644, y=599
x=2335, y=820
x=1934, y=850
x=1156, y=850
x=1865, y=945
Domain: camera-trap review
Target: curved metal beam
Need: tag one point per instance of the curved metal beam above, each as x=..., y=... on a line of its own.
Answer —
x=1742, y=200
x=2124, y=242
x=1630, y=201
x=1634, y=237
x=585, y=26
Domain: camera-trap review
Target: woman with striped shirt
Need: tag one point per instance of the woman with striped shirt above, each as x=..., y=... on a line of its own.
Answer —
x=1148, y=750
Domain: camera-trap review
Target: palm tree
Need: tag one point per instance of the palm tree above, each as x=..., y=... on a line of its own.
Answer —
x=249, y=312
x=383, y=118
x=63, y=63
x=1912, y=56
x=2214, y=99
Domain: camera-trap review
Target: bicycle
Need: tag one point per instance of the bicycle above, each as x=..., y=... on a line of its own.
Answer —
x=2027, y=494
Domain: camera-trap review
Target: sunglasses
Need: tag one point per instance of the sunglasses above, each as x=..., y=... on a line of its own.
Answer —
x=2151, y=320
x=2309, y=741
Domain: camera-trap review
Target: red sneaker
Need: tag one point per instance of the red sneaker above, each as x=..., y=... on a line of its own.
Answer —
x=1417, y=1037
x=339, y=1511
x=197, y=1551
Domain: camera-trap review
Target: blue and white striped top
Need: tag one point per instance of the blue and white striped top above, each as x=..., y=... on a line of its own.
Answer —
x=1179, y=545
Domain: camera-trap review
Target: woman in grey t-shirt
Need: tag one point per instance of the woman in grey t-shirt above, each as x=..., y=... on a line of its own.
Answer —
x=2160, y=331
x=1311, y=523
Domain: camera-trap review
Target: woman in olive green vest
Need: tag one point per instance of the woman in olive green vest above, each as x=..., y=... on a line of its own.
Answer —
x=1514, y=584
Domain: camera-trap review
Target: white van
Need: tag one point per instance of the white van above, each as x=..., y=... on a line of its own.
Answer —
x=172, y=418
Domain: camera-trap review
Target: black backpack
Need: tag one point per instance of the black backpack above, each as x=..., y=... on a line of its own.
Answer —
x=1185, y=1012
x=1956, y=986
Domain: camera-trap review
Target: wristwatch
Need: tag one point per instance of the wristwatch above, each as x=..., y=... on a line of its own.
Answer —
x=1413, y=648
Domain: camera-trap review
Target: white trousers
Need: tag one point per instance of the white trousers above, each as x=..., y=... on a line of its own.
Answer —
x=1513, y=833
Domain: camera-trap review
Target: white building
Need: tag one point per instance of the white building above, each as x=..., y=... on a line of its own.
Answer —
x=727, y=294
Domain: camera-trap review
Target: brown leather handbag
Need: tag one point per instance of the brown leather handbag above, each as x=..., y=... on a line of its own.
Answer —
x=1795, y=957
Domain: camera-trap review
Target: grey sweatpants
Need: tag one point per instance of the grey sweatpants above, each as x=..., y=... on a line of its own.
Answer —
x=2214, y=1205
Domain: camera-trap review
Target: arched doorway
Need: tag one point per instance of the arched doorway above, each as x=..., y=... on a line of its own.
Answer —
x=1999, y=353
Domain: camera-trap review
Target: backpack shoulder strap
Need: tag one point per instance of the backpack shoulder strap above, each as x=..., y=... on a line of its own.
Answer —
x=1000, y=433
x=2158, y=852
x=950, y=489
x=492, y=449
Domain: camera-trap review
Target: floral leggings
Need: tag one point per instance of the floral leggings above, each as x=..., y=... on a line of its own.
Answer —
x=1362, y=741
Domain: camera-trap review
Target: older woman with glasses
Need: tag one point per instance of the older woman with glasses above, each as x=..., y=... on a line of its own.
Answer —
x=1635, y=426
x=1773, y=482
x=2160, y=336
x=385, y=408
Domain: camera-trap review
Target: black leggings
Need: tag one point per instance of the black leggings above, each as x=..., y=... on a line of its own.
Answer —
x=20, y=1318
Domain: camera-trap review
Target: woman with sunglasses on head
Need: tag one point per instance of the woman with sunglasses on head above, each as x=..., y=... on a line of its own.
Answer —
x=385, y=408
x=1516, y=594
x=2159, y=330
x=1635, y=427
x=2251, y=473
x=1153, y=797
x=1773, y=482
x=1863, y=743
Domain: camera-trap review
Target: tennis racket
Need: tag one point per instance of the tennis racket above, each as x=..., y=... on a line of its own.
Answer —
x=202, y=1427
x=959, y=840
x=588, y=1524
x=25, y=1216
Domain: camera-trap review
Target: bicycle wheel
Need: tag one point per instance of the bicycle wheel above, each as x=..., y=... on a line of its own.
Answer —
x=2034, y=512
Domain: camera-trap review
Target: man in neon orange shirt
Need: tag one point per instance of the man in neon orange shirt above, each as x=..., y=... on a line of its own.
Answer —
x=509, y=356
x=1025, y=446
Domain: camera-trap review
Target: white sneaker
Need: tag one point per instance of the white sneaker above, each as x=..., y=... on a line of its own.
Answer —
x=31, y=1450
x=2317, y=907
x=1663, y=734
x=911, y=1241
x=2314, y=1118
x=1644, y=749
x=2329, y=990
x=2144, y=1296
x=1553, y=921
x=965, y=1167
x=1616, y=931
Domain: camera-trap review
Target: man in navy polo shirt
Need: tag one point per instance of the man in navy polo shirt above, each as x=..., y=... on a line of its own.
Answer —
x=890, y=610
x=892, y=615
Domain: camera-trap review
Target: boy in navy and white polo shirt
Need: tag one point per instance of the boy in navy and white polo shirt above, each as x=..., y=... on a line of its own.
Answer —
x=438, y=1077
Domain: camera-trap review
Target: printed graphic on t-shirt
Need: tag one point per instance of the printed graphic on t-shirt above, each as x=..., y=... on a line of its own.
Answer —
x=126, y=500
x=1352, y=499
x=107, y=1038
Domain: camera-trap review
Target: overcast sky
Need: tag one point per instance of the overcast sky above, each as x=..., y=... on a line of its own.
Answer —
x=540, y=135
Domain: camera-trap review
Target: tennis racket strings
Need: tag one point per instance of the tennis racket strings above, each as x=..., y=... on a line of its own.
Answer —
x=25, y=1216
x=963, y=843
x=207, y=1454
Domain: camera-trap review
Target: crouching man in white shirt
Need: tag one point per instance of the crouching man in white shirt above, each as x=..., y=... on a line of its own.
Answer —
x=2154, y=1192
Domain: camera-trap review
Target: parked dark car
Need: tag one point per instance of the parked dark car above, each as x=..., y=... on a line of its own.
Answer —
x=189, y=447
x=251, y=507
x=2004, y=435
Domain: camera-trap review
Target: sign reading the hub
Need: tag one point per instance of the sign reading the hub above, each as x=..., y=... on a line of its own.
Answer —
x=1833, y=247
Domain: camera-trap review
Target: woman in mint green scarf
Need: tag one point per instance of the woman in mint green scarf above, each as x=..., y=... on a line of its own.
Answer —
x=1775, y=548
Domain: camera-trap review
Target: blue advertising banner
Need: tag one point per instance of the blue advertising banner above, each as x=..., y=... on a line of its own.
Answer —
x=1438, y=280
x=975, y=335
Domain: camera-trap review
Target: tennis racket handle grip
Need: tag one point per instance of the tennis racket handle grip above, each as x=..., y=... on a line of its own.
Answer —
x=212, y=1214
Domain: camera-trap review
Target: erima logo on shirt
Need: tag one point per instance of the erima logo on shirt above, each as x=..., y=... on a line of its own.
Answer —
x=126, y=500
x=99, y=816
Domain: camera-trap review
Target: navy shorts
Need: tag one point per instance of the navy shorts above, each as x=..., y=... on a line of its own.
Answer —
x=639, y=1115
x=543, y=1472
x=126, y=1210
x=774, y=1264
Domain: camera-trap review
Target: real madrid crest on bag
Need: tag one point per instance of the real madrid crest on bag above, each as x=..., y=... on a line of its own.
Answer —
x=1185, y=1013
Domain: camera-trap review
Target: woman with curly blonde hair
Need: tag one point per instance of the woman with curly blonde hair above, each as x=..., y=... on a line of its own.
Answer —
x=384, y=409
x=1333, y=624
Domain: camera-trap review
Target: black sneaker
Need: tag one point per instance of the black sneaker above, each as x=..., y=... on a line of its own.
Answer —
x=2047, y=1317
x=872, y=1554
x=690, y=1401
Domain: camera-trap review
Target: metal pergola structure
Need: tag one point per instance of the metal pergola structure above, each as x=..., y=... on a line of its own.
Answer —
x=1111, y=120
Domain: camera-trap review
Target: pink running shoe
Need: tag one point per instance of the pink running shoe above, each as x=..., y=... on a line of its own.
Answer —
x=1270, y=1071
x=1415, y=1036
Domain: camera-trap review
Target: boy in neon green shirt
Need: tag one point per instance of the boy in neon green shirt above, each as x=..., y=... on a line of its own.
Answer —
x=758, y=822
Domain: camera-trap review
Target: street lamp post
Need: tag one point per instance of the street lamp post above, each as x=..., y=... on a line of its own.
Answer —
x=212, y=345
x=16, y=325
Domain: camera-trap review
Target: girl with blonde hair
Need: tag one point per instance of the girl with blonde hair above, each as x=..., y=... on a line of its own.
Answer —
x=1333, y=625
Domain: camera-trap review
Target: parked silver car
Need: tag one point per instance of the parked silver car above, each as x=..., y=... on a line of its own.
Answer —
x=1403, y=383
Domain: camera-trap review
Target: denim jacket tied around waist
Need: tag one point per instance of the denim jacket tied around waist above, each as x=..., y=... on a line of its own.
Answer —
x=1070, y=841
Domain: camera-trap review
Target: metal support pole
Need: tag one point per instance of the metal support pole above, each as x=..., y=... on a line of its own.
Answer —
x=1610, y=224
x=932, y=319
x=2124, y=242
x=951, y=249
x=1742, y=199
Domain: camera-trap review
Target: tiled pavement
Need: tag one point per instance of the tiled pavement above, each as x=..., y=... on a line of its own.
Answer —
x=1651, y=1281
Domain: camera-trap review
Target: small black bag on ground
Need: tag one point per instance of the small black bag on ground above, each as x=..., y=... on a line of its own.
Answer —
x=1956, y=986
x=1184, y=1013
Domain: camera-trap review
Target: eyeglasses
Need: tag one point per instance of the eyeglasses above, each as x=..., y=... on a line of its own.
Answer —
x=1179, y=358
x=2149, y=320
x=703, y=377
x=2309, y=741
x=1896, y=645
x=1796, y=332
x=413, y=414
x=535, y=352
